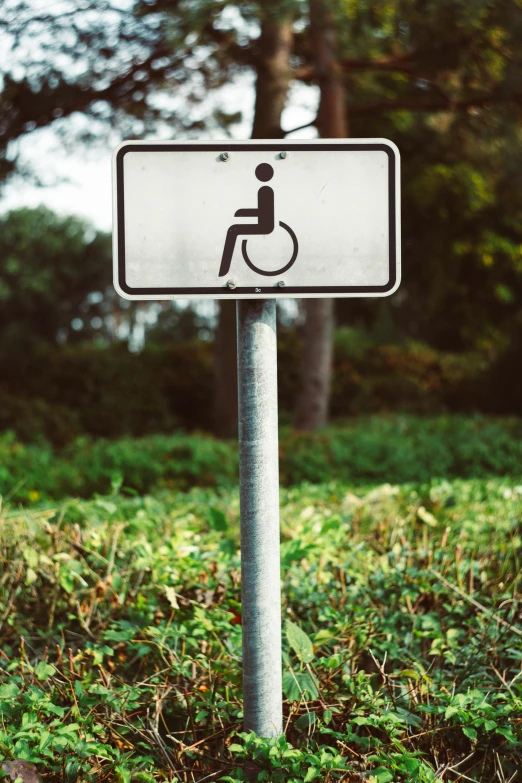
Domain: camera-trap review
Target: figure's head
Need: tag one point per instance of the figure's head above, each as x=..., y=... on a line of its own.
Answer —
x=264, y=172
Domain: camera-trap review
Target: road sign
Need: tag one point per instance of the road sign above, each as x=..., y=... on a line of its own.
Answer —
x=257, y=219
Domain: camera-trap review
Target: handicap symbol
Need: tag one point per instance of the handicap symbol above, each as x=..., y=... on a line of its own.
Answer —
x=265, y=225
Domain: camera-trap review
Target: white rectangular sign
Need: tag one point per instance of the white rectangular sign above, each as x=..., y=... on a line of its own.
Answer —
x=256, y=219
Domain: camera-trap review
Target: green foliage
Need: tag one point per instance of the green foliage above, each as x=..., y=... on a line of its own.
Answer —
x=106, y=391
x=87, y=467
x=121, y=635
x=300, y=643
x=402, y=448
x=441, y=78
x=48, y=267
x=368, y=449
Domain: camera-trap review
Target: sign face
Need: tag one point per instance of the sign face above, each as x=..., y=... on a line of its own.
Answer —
x=256, y=219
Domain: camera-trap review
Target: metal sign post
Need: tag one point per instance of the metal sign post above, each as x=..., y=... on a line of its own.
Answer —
x=252, y=221
x=259, y=492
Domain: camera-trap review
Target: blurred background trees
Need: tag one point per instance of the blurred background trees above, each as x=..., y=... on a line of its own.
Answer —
x=441, y=79
x=54, y=280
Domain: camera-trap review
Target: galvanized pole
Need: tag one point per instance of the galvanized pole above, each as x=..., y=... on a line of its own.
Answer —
x=259, y=493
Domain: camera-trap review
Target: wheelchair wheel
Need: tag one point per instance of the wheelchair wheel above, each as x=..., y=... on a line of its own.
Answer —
x=277, y=271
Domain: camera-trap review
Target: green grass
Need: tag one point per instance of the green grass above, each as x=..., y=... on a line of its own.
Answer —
x=367, y=449
x=121, y=635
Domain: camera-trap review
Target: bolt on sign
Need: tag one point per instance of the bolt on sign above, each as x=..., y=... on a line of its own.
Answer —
x=255, y=220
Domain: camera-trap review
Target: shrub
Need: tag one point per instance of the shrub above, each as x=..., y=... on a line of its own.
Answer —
x=109, y=392
x=369, y=449
x=86, y=467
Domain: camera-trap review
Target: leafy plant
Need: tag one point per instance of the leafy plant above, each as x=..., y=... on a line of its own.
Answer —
x=369, y=449
x=121, y=635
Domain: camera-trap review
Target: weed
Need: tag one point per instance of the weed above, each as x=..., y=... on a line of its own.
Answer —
x=121, y=636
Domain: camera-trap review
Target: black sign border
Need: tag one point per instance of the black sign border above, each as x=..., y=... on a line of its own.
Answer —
x=224, y=292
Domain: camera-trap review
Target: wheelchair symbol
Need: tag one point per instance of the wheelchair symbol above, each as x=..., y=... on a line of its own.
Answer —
x=265, y=225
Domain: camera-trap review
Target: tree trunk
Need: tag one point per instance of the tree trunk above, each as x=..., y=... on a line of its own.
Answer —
x=274, y=75
x=332, y=120
x=316, y=364
x=317, y=352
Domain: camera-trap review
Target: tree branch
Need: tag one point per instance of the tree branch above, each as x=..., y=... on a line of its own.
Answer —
x=401, y=62
x=389, y=64
x=73, y=98
x=443, y=104
x=433, y=106
x=245, y=55
x=312, y=124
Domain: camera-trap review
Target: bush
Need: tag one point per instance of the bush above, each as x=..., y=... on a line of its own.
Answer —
x=108, y=392
x=403, y=448
x=411, y=377
x=86, y=467
x=369, y=449
x=111, y=393
x=33, y=419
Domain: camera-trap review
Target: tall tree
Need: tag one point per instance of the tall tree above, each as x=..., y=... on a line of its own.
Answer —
x=425, y=72
x=420, y=72
x=442, y=79
x=53, y=274
x=141, y=67
x=317, y=350
x=123, y=60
